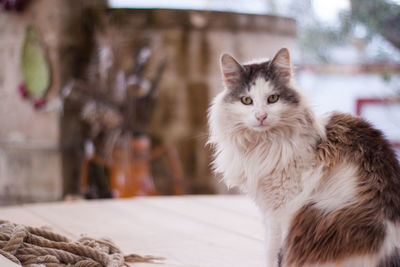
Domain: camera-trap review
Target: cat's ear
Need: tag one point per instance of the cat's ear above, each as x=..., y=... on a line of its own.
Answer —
x=281, y=64
x=231, y=70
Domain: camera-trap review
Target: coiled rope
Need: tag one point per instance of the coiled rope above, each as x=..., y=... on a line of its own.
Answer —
x=37, y=247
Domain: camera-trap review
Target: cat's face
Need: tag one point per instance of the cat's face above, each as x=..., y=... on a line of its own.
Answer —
x=259, y=96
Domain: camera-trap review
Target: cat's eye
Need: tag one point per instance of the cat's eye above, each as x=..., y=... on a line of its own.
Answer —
x=273, y=98
x=246, y=100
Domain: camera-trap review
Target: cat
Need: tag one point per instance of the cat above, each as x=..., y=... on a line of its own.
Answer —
x=328, y=187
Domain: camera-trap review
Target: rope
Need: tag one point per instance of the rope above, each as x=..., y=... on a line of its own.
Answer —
x=33, y=247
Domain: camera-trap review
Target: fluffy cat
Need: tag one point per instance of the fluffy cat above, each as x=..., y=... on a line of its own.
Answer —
x=328, y=188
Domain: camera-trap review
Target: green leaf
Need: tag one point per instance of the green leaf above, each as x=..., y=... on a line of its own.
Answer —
x=34, y=64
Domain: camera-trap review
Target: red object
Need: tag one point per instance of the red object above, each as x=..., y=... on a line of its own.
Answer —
x=39, y=103
x=23, y=91
x=365, y=101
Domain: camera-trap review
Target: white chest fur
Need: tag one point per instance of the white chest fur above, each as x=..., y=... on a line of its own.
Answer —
x=268, y=166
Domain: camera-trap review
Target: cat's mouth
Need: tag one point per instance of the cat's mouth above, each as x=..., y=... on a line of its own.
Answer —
x=260, y=127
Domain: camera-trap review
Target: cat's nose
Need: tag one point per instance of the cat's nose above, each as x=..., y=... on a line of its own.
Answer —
x=261, y=117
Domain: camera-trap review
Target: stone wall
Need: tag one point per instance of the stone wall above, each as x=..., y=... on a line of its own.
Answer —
x=30, y=144
x=192, y=42
x=39, y=159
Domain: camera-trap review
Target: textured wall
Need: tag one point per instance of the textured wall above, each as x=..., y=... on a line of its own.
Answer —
x=192, y=43
x=30, y=147
x=38, y=156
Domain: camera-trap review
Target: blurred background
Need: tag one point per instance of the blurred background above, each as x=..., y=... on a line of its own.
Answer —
x=108, y=99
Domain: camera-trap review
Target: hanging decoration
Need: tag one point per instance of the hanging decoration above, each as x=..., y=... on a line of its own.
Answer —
x=35, y=68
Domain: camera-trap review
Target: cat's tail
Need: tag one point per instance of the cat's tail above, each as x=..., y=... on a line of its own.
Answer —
x=392, y=260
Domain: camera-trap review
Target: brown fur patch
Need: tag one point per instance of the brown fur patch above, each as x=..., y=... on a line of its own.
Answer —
x=351, y=139
x=315, y=237
x=356, y=229
x=392, y=261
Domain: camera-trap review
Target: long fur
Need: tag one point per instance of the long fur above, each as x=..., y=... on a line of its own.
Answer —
x=308, y=175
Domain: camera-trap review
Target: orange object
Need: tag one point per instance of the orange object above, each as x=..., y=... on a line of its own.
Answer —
x=130, y=170
x=130, y=173
x=174, y=166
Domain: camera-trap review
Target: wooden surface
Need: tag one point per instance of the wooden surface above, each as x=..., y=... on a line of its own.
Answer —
x=6, y=263
x=188, y=231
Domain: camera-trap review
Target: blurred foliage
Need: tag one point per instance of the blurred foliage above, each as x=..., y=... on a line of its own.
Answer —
x=317, y=39
x=375, y=17
x=380, y=17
